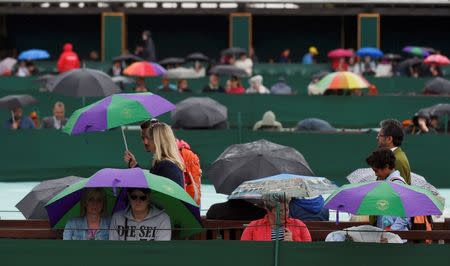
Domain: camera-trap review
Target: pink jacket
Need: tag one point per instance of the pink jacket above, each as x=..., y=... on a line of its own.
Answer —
x=260, y=230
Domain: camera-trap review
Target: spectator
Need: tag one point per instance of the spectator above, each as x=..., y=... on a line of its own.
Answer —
x=391, y=137
x=183, y=86
x=265, y=229
x=116, y=69
x=309, y=209
x=32, y=68
x=166, y=85
x=245, y=63
x=58, y=120
x=268, y=123
x=22, y=70
x=435, y=71
x=239, y=210
x=93, y=223
x=309, y=58
x=281, y=87
x=285, y=56
x=252, y=55
x=35, y=118
x=141, y=220
x=68, y=60
x=340, y=64
x=421, y=125
x=17, y=121
x=148, y=52
x=139, y=51
x=93, y=56
x=214, y=84
x=367, y=67
x=256, y=85
x=234, y=86
x=140, y=85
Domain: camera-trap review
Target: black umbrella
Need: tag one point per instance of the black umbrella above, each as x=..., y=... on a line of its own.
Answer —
x=127, y=57
x=13, y=101
x=410, y=62
x=228, y=70
x=249, y=161
x=315, y=125
x=233, y=51
x=438, y=86
x=392, y=56
x=171, y=61
x=199, y=112
x=440, y=109
x=83, y=82
x=197, y=57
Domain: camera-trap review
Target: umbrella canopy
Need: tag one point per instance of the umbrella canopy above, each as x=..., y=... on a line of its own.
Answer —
x=416, y=50
x=13, y=101
x=384, y=198
x=342, y=80
x=369, y=51
x=34, y=54
x=117, y=110
x=338, y=53
x=289, y=185
x=253, y=160
x=440, y=109
x=228, y=70
x=7, y=64
x=233, y=51
x=83, y=82
x=197, y=57
x=44, y=79
x=314, y=125
x=127, y=57
x=392, y=57
x=171, y=61
x=320, y=74
x=183, y=211
x=199, y=112
x=122, y=79
x=438, y=59
x=32, y=206
x=438, y=86
x=145, y=69
x=182, y=73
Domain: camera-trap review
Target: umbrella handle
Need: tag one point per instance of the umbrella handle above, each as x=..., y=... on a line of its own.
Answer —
x=12, y=117
x=124, y=139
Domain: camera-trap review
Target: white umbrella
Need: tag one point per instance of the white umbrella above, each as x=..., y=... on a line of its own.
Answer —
x=7, y=64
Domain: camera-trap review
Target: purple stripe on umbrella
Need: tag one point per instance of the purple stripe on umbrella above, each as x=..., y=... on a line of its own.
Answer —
x=93, y=119
x=59, y=208
x=117, y=178
x=349, y=200
x=415, y=203
x=154, y=104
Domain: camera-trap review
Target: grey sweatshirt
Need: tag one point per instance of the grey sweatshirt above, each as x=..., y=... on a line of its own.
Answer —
x=156, y=226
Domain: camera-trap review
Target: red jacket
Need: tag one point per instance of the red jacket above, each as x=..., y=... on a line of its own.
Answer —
x=260, y=230
x=238, y=90
x=68, y=60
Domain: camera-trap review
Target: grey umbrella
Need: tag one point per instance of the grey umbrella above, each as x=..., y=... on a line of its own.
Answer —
x=13, y=101
x=233, y=51
x=127, y=57
x=439, y=86
x=83, y=82
x=197, y=57
x=32, y=205
x=440, y=109
x=315, y=124
x=249, y=161
x=171, y=61
x=199, y=112
x=228, y=70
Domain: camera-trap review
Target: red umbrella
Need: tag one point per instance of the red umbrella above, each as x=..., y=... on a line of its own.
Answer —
x=145, y=69
x=337, y=53
x=437, y=59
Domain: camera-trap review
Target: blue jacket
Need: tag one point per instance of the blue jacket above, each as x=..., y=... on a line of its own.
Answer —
x=308, y=209
x=25, y=123
x=76, y=229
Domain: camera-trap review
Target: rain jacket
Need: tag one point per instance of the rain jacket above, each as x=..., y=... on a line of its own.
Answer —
x=68, y=60
x=156, y=226
x=308, y=209
x=260, y=230
x=76, y=229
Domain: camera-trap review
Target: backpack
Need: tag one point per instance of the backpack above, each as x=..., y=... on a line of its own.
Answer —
x=192, y=172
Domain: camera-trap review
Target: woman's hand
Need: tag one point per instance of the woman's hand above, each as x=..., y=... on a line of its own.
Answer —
x=129, y=159
x=287, y=235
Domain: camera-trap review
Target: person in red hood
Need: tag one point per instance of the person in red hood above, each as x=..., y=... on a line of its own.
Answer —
x=68, y=60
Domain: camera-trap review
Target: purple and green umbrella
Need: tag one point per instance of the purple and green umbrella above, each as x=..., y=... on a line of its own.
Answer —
x=384, y=198
x=417, y=51
x=166, y=194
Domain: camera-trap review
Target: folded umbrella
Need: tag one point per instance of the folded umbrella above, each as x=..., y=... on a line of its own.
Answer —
x=228, y=70
x=34, y=54
x=13, y=101
x=197, y=57
x=369, y=51
x=199, y=112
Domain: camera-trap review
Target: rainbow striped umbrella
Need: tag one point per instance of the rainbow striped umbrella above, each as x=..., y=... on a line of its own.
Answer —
x=437, y=59
x=145, y=69
x=384, y=198
x=342, y=80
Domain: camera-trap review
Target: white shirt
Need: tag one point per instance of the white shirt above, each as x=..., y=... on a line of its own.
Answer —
x=56, y=123
x=246, y=64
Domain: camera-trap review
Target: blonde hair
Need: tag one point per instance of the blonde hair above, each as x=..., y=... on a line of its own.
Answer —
x=87, y=194
x=165, y=144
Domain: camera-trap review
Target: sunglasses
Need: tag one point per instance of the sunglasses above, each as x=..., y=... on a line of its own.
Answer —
x=141, y=198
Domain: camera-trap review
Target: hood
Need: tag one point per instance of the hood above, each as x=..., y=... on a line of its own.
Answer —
x=269, y=118
x=68, y=47
x=313, y=205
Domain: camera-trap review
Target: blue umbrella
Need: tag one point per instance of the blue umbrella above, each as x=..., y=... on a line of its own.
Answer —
x=370, y=51
x=34, y=54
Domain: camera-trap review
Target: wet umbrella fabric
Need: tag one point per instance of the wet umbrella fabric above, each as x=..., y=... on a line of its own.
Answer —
x=197, y=57
x=199, y=112
x=438, y=86
x=227, y=70
x=32, y=206
x=13, y=101
x=83, y=82
x=253, y=160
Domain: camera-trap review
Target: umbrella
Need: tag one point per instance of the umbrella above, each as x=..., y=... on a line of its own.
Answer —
x=249, y=161
x=368, y=175
x=337, y=53
x=228, y=70
x=392, y=56
x=342, y=80
x=440, y=109
x=369, y=51
x=7, y=64
x=289, y=185
x=171, y=61
x=438, y=86
x=197, y=57
x=199, y=112
x=384, y=198
x=437, y=59
x=182, y=73
x=34, y=54
x=233, y=51
x=145, y=69
x=83, y=82
x=416, y=50
x=314, y=125
x=320, y=74
x=13, y=101
x=363, y=233
x=122, y=79
x=281, y=87
x=127, y=57
x=183, y=211
x=32, y=206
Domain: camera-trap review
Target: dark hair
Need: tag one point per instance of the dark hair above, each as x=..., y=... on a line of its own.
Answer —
x=146, y=191
x=381, y=159
x=393, y=128
x=147, y=124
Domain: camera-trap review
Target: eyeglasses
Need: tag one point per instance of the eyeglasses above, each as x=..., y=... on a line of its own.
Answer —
x=141, y=198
